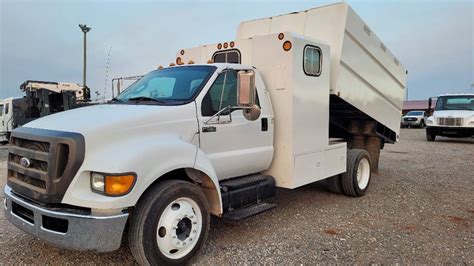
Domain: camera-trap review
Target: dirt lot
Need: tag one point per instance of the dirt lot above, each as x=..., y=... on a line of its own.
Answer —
x=419, y=209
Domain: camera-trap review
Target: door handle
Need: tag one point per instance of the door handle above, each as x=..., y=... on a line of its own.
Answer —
x=209, y=129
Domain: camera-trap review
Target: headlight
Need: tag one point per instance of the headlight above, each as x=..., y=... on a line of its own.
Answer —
x=429, y=121
x=112, y=184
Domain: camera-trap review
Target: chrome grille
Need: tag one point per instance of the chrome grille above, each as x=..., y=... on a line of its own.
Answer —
x=35, y=175
x=42, y=163
x=450, y=121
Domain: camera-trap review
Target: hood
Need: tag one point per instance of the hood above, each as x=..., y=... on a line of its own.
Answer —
x=454, y=113
x=106, y=118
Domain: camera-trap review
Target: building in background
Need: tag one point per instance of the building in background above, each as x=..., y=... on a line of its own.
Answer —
x=417, y=105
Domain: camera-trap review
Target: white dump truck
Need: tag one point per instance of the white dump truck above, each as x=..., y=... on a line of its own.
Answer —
x=453, y=116
x=294, y=99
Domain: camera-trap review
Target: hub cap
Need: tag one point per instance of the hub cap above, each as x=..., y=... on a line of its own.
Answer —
x=179, y=228
x=363, y=173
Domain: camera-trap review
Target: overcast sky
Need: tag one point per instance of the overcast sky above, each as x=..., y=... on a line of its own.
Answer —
x=41, y=40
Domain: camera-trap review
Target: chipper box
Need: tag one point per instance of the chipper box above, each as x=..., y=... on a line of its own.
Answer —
x=294, y=99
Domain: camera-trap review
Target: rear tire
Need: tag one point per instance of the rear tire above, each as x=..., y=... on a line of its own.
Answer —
x=333, y=184
x=430, y=136
x=355, y=181
x=169, y=224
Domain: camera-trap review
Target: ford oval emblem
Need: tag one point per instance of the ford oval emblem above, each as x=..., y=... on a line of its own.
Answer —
x=25, y=162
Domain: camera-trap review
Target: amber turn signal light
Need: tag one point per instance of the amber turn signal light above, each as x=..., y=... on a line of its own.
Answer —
x=112, y=184
x=287, y=46
x=281, y=36
x=179, y=61
x=118, y=185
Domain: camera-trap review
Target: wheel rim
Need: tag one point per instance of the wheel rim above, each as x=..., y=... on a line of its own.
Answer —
x=363, y=173
x=179, y=228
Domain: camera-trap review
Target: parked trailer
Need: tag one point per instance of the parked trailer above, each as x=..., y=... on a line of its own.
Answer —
x=283, y=105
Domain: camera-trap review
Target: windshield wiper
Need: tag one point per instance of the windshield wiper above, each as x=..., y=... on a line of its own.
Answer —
x=115, y=100
x=145, y=99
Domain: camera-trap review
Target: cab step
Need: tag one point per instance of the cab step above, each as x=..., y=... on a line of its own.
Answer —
x=247, y=195
x=249, y=211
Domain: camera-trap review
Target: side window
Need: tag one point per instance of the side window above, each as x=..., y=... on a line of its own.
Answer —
x=225, y=88
x=6, y=108
x=1, y=109
x=312, y=60
x=228, y=56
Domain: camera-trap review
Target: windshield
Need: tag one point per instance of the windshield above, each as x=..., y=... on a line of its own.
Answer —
x=414, y=113
x=455, y=103
x=169, y=85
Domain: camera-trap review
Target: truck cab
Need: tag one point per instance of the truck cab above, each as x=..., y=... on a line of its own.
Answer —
x=6, y=118
x=453, y=116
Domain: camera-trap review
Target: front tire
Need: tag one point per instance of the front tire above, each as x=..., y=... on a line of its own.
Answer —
x=430, y=136
x=422, y=124
x=169, y=224
x=355, y=181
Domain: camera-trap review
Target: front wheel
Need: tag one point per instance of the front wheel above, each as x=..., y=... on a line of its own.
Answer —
x=355, y=181
x=430, y=136
x=169, y=224
x=422, y=124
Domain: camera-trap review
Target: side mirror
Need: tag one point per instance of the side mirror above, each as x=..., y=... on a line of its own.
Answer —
x=246, y=88
x=246, y=94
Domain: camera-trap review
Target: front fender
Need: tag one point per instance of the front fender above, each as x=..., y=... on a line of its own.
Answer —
x=150, y=158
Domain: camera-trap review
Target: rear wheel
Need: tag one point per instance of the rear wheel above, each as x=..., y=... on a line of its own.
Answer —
x=169, y=224
x=333, y=184
x=355, y=181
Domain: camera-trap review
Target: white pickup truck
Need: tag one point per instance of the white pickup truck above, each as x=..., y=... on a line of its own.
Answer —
x=294, y=99
x=453, y=116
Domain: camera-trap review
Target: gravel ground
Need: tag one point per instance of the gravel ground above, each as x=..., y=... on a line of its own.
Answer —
x=419, y=209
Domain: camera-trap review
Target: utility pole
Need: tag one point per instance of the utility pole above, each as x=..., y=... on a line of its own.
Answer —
x=85, y=30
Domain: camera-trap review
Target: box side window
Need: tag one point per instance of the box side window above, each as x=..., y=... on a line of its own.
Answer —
x=312, y=60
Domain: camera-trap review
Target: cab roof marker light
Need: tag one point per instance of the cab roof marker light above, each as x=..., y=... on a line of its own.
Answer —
x=287, y=46
x=232, y=44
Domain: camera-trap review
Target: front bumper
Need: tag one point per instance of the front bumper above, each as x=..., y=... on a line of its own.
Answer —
x=65, y=229
x=451, y=131
x=410, y=123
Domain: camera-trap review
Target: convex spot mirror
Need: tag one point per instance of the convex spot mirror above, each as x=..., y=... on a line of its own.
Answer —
x=246, y=94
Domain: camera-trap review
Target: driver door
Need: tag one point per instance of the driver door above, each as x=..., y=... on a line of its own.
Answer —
x=234, y=145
